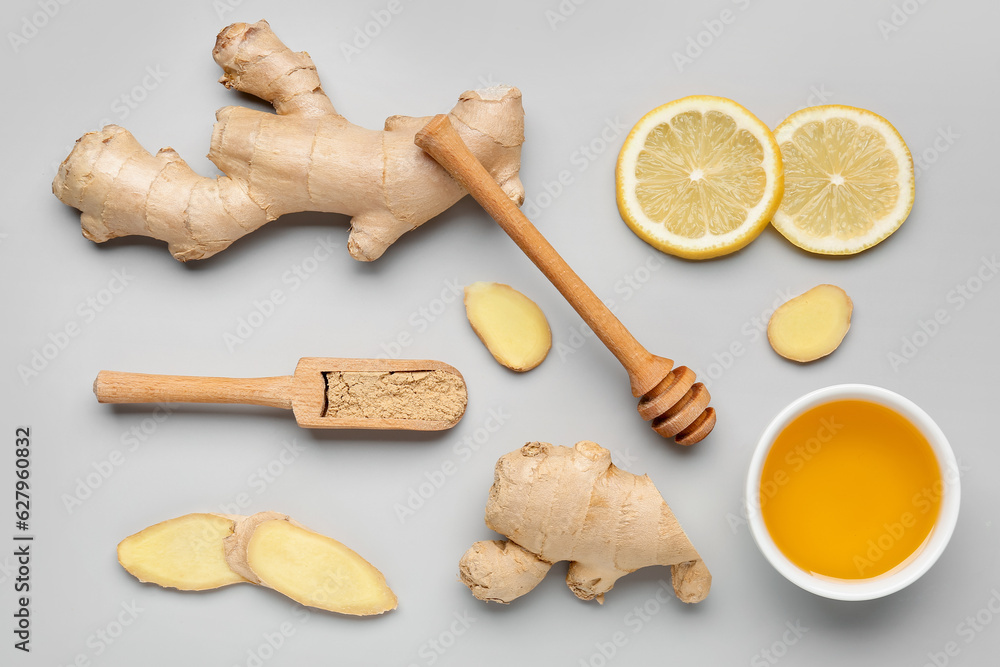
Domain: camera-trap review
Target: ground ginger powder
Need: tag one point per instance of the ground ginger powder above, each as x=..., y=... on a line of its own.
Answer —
x=425, y=395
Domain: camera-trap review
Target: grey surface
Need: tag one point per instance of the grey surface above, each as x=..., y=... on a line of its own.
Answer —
x=605, y=66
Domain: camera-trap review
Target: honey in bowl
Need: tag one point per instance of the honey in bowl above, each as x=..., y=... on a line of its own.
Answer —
x=850, y=489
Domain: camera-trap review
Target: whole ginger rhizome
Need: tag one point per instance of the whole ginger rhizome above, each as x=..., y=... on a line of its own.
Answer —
x=303, y=157
x=571, y=503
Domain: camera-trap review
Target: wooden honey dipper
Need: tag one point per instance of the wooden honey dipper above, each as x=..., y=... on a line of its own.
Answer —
x=670, y=397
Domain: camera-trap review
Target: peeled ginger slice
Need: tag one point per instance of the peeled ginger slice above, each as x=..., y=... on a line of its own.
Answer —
x=811, y=325
x=184, y=553
x=200, y=551
x=512, y=326
x=316, y=571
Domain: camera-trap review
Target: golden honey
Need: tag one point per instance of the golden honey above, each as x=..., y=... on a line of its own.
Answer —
x=850, y=489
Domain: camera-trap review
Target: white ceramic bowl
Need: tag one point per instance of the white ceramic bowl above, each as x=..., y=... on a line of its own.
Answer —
x=908, y=571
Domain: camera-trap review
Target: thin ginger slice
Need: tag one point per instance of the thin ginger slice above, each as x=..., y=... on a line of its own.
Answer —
x=202, y=551
x=512, y=326
x=184, y=553
x=811, y=325
x=316, y=570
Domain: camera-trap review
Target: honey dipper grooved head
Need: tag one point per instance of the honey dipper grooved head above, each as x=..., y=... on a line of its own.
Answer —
x=678, y=407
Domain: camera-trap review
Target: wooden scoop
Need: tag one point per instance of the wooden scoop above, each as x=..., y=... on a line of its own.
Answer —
x=670, y=397
x=388, y=394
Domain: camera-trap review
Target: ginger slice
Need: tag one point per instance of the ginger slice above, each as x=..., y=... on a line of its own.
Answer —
x=200, y=551
x=512, y=326
x=184, y=553
x=315, y=570
x=811, y=325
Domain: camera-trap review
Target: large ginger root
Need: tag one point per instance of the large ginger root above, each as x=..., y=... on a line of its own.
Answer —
x=197, y=552
x=571, y=503
x=305, y=157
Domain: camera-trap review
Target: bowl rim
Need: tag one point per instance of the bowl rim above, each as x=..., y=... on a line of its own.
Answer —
x=926, y=555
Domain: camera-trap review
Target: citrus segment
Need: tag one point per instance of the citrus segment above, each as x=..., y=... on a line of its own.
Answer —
x=849, y=179
x=699, y=177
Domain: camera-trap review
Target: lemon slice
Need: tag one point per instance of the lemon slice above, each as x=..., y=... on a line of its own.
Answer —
x=699, y=177
x=848, y=179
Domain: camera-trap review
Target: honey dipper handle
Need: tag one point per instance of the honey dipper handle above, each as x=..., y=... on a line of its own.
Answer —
x=116, y=387
x=440, y=140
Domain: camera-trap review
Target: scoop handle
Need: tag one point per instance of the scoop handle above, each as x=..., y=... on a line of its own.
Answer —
x=118, y=387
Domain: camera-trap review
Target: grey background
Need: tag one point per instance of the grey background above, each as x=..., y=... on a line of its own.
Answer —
x=604, y=66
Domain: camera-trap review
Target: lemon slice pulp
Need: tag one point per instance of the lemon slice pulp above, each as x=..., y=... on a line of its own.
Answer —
x=849, y=179
x=699, y=177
